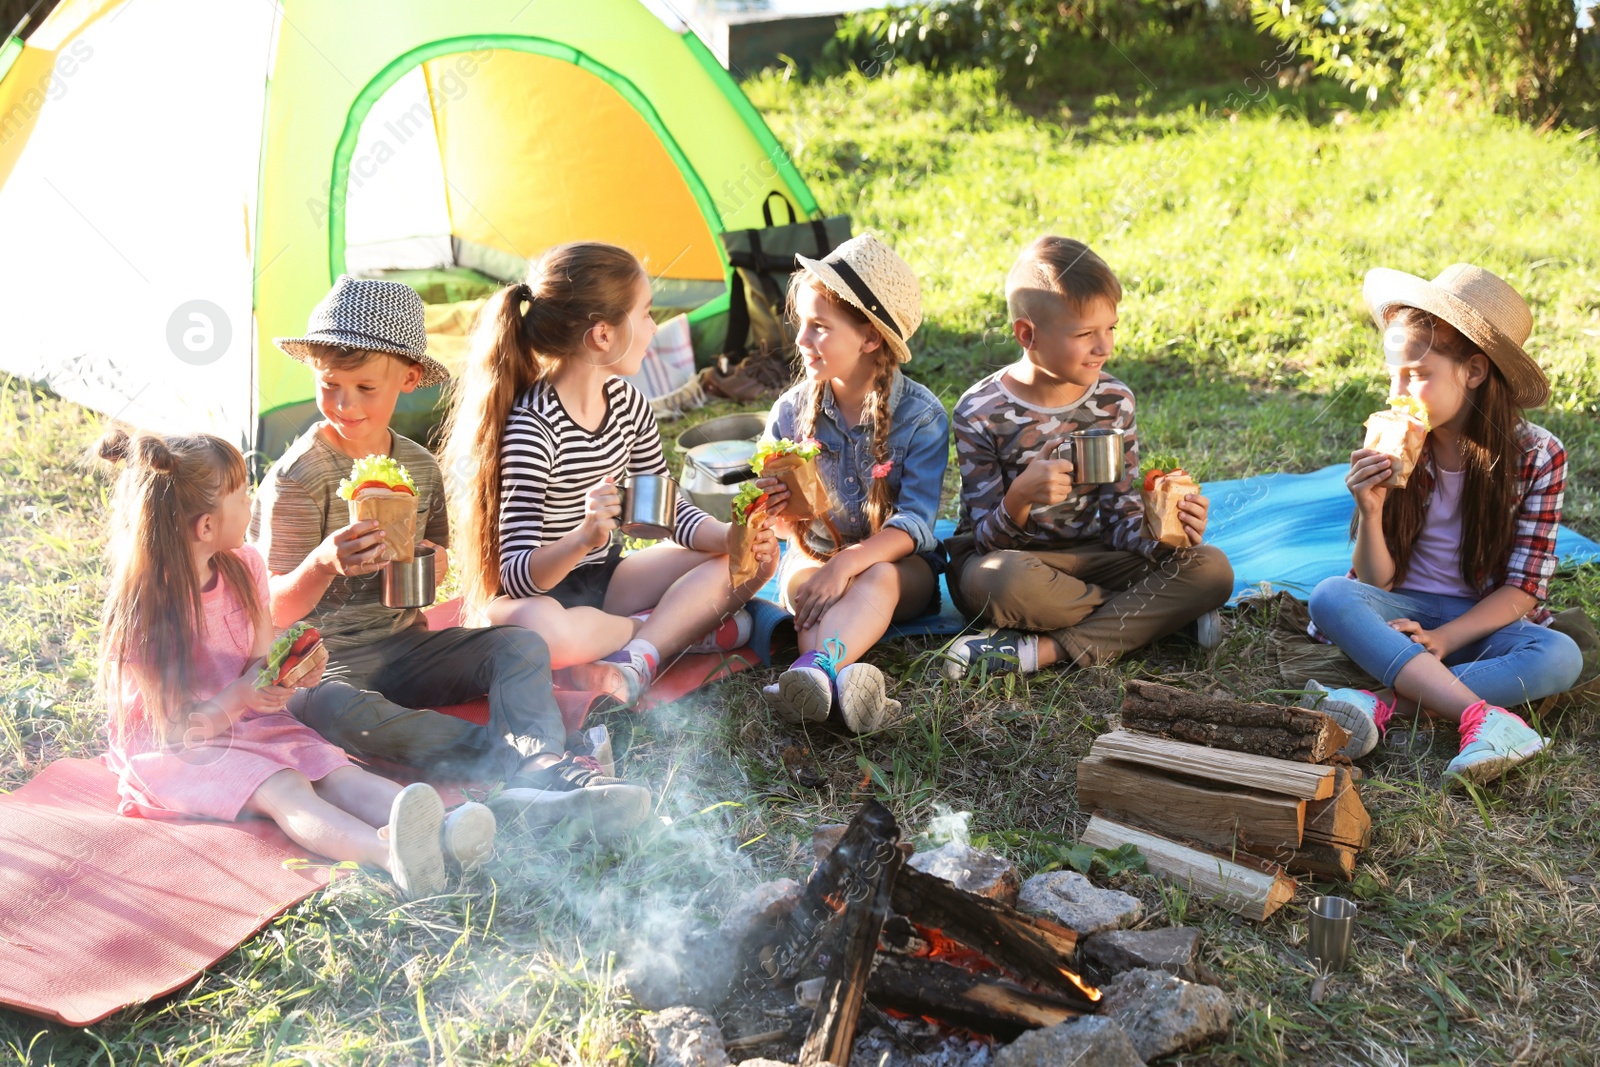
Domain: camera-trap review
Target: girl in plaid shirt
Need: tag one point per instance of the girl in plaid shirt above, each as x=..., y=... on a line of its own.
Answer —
x=1445, y=599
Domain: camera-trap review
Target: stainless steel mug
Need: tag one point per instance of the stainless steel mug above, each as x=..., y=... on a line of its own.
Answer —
x=649, y=503
x=1333, y=921
x=1097, y=457
x=411, y=584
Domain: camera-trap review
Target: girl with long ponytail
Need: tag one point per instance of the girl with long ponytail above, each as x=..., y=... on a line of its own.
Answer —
x=195, y=729
x=884, y=444
x=543, y=432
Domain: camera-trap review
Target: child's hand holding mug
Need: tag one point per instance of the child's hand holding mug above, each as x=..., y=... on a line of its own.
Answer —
x=1044, y=482
x=602, y=512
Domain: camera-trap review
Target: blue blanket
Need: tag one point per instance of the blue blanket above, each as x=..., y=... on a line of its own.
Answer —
x=1287, y=531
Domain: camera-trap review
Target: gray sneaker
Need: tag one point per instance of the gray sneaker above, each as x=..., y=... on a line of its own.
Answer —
x=416, y=857
x=577, y=793
x=1208, y=630
x=863, y=701
x=468, y=838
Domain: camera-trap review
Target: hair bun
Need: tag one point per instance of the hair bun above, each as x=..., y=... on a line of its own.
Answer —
x=154, y=453
x=114, y=445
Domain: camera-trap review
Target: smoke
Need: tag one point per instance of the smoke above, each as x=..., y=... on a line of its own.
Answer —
x=948, y=826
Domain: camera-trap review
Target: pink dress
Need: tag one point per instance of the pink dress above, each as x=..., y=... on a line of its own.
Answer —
x=215, y=778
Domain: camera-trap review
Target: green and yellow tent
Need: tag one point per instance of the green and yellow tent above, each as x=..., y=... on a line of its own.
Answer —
x=181, y=180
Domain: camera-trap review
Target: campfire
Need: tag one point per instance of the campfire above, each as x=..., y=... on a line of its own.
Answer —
x=884, y=933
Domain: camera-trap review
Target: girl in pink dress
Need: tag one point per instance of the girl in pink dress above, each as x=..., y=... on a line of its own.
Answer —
x=185, y=631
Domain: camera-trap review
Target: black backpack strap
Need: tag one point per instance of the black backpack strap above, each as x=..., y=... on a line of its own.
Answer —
x=819, y=228
x=738, y=335
x=766, y=208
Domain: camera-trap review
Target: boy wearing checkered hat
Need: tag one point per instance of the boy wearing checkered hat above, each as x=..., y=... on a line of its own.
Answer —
x=366, y=345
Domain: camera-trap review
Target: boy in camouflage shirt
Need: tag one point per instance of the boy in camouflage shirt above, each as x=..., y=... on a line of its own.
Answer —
x=1063, y=571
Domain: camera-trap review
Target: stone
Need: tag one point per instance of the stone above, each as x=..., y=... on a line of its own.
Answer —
x=1087, y=1041
x=878, y=1048
x=764, y=1063
x=694, y=967
x=685, y=1037
x=976, y=872
x=760, y=908
x=1073, y=901
x=1174, y=949
x=1163, y=1014
x=825, y=838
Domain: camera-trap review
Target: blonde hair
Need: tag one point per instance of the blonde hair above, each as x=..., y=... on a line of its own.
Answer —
x=880, y=503
x=523, y=332
x=153, y=618
x=1056, y=271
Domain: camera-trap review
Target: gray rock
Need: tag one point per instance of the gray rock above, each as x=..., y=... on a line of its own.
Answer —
x=976, y=872
x=685, y=1037
x=764, y=1063
x=1163, y=1014
x=694, y=967
x=758, y=909
x=1088, y=1041
x=1072, y=900
x=1174, y=949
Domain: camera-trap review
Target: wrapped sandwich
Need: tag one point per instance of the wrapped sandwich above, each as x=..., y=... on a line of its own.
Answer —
x=749, y=512
x=795, y=465
x=1399, y=434
x=1164, y=489
x=295, y=655
x=379, y=488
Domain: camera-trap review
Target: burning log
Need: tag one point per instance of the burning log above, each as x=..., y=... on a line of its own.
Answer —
x=833, y=1027
x=1263, y=729
x=986, y=1003
x=834, y=880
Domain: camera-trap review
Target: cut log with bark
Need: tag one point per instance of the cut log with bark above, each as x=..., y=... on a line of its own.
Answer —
x=833, y=1026
x=1261, y=729
x=1341, y=819
x=1306, y=781
x=986, y=1003
x=1035, y=949
x=1214, y=815
x=1253, y=892
x=1330, y=863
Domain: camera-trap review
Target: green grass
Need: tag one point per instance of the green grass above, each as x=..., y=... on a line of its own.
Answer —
x=1241, y=240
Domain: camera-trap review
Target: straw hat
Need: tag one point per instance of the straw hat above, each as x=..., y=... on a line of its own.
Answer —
x=868, y=274
x=369, y=314
x=1481, y=305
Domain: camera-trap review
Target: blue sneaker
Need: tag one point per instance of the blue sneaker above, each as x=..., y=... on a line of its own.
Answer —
x=1493, y=740
x=995, y=651
x=1364, y=717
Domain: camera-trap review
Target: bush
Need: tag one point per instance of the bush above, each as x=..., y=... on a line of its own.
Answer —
x=1087, y=45
x=1527, y=58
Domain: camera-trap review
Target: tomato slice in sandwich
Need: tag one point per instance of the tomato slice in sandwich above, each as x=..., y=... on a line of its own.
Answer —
x=1151, y=479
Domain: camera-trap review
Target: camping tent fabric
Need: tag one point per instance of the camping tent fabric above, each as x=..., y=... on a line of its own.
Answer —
x=201, y=163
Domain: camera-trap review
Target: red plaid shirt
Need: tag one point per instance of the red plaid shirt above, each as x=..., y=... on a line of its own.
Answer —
x=1541, y=481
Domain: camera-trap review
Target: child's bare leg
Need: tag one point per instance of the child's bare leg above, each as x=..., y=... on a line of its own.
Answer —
x=363, y=794
x=1428, y=682
x=688, y=591
x=314, y=824
x=882, y=594
x=574, y=635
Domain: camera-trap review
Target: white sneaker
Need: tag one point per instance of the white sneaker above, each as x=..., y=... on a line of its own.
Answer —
x=416, y=857
x=1493, y=740
x=1362, y=715
x=863, y=701
x=802, y=694
x=468, y=839
x=1208, y=630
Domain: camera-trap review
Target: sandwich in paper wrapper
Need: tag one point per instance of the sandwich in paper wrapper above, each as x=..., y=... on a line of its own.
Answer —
x=749, y=512
x=1163, y=491
x=296, y=653
x=1398, y=433
x=379, y=488
x=795, y=465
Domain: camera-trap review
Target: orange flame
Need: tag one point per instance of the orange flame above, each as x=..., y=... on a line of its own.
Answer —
x=1088, y=990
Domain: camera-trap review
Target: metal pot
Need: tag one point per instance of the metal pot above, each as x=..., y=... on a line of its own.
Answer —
x=1097, y=457
x=716, y=459
x=410, y=584
x=649, y=504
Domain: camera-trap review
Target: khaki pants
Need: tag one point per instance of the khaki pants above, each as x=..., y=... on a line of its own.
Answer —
x=1096, y=602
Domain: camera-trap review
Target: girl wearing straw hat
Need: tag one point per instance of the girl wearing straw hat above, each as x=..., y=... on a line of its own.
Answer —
x=1445, y=601
x=885, y=442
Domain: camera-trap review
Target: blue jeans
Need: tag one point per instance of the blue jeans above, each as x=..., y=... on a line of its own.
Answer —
x=1514, y=665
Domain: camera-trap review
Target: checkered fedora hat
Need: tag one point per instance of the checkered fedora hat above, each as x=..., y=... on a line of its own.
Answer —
x=369, y=314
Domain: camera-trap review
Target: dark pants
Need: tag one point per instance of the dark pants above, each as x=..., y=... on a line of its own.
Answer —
x=373, y=701
x=1096, y=602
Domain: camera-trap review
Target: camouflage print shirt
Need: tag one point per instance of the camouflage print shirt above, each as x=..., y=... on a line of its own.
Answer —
x=998, y=435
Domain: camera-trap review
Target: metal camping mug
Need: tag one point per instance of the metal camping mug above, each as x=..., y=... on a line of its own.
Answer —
x=1333, y=921
x=410, y=584
x=649, y=504
x=1097, y=457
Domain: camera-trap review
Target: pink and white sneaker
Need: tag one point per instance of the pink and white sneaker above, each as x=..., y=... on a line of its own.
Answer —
x=1364, y=717
x=1493, y=740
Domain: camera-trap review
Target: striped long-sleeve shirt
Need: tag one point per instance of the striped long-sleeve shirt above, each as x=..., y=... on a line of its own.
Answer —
x=548, y=464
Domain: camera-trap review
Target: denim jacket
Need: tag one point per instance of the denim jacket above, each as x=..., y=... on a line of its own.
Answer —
x=919, y=451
